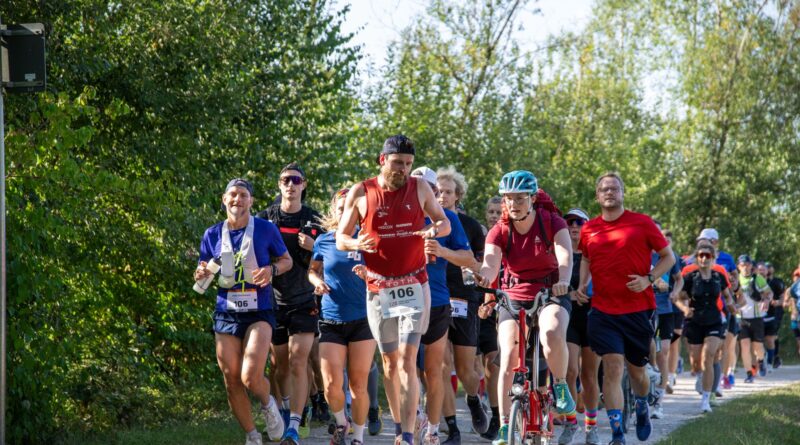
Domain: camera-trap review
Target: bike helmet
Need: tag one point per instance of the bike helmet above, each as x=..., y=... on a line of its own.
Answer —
x=518, y=181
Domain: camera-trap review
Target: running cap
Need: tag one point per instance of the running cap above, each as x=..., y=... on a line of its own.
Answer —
x=709, y=234
x=426, y=174
x=397, y=144
x=577, y=212
x=294, y=166
x=745, y=259
x=239, y=182
x=768, y=264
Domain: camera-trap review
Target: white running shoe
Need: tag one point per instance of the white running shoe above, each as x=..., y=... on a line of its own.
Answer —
x=657, y=412
x=421, y=427
x=705, y=406
x=255, y=440
x=274, y=420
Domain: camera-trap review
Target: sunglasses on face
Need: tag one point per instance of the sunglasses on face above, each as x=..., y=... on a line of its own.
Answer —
x=576, y=222
x=296, y=180
x=704, y=256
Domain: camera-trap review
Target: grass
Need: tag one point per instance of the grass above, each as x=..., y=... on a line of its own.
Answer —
x=218, y=431
x=768, y=418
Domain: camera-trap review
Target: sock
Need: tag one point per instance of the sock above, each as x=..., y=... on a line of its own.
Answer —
x=398, y=429
x=504, y=420
x=358, y=433
x=482, y=386
x=641, y=405
x=615, y=419
x=770, y=355
x=496, y=412
x=777, y=349
x=341, y=419
x=254, y=435
x=590, y=420
x=294, y=421
x=572, y=418
x=706, y=396
x=285, y=403
x=717, y=376
x=409, y=438
x=433, y=429
x=452, y=426
x=473, y=400
x=454, y=381
x=372, y=386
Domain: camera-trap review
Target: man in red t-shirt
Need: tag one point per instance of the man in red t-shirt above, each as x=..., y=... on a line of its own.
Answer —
x=617, y=248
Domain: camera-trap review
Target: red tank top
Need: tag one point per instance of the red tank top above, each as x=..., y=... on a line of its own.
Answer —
x=392, y=218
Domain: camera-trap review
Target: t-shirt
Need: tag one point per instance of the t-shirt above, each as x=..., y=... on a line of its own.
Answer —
x=437, y=271
x=531, y=257
x=663, y=303
x=752, y=308
x=455, y=281
x=794, y=292
x=347, y=299
x=267, y=243
x=293, y=287
x=704, y=295
x=778, y=288
x=616, y=249
x=689, y=268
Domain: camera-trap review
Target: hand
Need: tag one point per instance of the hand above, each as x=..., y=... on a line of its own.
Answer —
x=763, y=306
x=361, y=271
x=583, y=293
x=485, y=310
x=579, y=298
x=560, y=288
x=432, y=247
x=661, y=285
x=428, y=233
x=305, y=241
x=482, y=281
x=638, y=283
x=321, y=288
x=365, y=243
x=201, y=272
x=262, y=276
x=688, y=312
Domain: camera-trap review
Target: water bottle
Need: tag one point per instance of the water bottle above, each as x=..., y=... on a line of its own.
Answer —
x=468, y=277
x=213, y=267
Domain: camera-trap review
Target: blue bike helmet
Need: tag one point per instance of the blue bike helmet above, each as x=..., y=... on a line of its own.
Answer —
x=518, y=181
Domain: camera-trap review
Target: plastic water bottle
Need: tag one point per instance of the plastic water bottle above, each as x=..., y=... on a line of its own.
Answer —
x=213, y=267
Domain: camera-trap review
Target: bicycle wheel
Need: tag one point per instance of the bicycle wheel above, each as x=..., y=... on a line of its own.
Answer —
x=518, y=423
x=627, y=402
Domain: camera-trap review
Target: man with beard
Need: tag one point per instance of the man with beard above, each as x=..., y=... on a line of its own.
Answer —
x=391, y=209
x=616, y=250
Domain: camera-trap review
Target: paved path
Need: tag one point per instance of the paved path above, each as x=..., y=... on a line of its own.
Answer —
x=679, y=407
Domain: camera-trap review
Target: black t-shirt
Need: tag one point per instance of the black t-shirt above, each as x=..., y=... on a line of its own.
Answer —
x=455, y=282
x=778, y=288
x=703, y=296
x=575, y=280
x=292, y=287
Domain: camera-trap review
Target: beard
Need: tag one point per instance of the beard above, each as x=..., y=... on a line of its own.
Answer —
x=394, y=179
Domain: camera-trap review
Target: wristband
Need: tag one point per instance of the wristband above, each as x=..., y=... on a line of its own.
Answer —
x=274, y=270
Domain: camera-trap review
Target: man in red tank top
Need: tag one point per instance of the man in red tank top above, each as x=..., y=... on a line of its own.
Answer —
x=391, y=209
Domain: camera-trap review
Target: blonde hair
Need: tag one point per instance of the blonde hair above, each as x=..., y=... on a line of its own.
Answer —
x=458, y=179
x=328, y=220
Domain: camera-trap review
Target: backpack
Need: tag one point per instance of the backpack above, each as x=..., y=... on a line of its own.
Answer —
x=309, y=225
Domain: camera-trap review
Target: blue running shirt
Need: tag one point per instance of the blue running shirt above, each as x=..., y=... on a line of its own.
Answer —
x=347, y=300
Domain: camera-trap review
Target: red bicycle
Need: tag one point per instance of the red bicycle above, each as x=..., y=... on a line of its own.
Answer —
x=530, y=422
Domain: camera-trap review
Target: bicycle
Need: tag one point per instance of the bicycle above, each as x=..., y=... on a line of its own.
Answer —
x=530, y=421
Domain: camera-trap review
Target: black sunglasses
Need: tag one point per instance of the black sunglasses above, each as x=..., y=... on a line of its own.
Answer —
x=294, y=179
x=577, y=221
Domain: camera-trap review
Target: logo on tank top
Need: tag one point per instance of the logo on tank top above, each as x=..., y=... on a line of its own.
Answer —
x=382, y=212
x=537, y=239
x=408, y=207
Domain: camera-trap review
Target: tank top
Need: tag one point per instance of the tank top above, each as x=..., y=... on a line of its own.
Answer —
x=391, y=220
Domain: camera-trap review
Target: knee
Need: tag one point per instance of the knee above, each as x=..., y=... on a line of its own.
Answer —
x=232, y=377
x=389, y=369
x=298, y=366
x=613, y=371
x=464, y=369
x=358, y=387
x=250, y=378
x=572, y=371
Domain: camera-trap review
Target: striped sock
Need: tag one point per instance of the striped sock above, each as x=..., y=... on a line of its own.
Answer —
x=572, y=418
x=591, y=418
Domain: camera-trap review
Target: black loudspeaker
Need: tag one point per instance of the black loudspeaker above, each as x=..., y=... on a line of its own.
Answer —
x=22, y=57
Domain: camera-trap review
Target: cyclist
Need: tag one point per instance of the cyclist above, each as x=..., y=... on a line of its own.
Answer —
x=252, y=253
x=705, y=327
x=296, y=310
x=533, y=244
x=616, y=250
x=583, y=361
x=772, y=321
x=391, y=209
x=756, y=296
x=345, y=337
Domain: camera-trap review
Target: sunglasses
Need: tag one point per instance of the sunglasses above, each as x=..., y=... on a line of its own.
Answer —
x=704, y=256
x=342, y=193
x=294, y=179
x=576, y=222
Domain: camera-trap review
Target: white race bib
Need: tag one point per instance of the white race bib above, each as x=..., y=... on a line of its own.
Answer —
x=460, y=308
x=242, y=300
x=402, y=296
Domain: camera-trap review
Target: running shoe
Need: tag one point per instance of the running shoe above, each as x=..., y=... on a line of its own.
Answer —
x=323, y=413
x=356, y=442
x=658, y=411
x=732, y=379
x=776, y=363
x=679, y=369
x=592, y=437
x=564, y=402
x=494, y=427
x=255, y=440
x=339, y=436
x=705, y=406
x=274, y=422
x=453, y=438
x=290, y=437
x=712, y=400
x=726, y=382
x=502, y=436
x=643, y=427
x=374, y=422
x=568, y=434
x=749, y=378
x=480, y=421
x=431, y=439
x=719, y=393
x=762, y=368
x=421, y=427
x=304, y=431
x=617, y=442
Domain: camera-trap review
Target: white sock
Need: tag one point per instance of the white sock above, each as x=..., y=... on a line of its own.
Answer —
x=294, y=421
x=341, y=419
x=358, y=433
x=706, y=395
x=433, y=429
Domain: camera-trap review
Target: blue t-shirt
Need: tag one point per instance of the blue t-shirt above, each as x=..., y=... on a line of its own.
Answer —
x=795, y=293
x=437, y=272
x=663, y=303
x=347, y=300
x=267, y=243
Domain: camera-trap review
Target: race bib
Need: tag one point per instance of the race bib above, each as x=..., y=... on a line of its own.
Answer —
x=460, y=308
x=402, y=296
x=242, y=300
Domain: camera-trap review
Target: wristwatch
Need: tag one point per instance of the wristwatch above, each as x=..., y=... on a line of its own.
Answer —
x=651, y=278
x=274, y=270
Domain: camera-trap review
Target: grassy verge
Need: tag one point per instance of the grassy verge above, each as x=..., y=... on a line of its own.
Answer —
x=768, y=418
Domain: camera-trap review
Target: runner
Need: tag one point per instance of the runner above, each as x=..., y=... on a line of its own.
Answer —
x=772, y=321
x=344, y=331
x=391, y=209
x=583, y=361
x=244, y=317
x=487, y=335
x=532, y=243
x=464, y=324
x=792, y=301
x=705, y=327
x=296, y=310
x=756, y=295
x=616, y=250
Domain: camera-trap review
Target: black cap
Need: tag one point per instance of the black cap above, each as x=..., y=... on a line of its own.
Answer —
x=397, y=144
x=745, y=259
x=239, y=182
x=294, y=166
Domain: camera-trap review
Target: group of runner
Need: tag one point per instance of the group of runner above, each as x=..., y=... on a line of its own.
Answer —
x=391, y=264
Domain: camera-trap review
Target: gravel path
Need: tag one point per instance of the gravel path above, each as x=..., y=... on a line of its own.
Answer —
x=679, y=407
